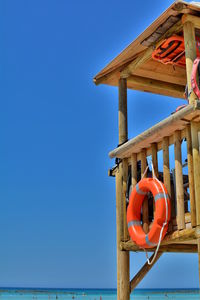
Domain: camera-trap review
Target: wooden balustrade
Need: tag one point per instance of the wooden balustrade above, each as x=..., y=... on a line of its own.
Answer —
x=181, y=217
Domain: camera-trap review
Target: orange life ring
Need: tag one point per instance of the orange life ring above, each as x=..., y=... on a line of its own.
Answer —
x=161, y=215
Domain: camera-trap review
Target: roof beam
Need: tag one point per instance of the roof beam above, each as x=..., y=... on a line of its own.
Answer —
x=155, y=86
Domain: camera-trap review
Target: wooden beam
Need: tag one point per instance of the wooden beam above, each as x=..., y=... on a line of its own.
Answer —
x=145, y=210
x=192, y=19
x=179, y=181
x=191, y=175
x=173, y=248
x=155, y=86
x=143, y=271
x=156, y=133
x=135, y=64
x=176, y=237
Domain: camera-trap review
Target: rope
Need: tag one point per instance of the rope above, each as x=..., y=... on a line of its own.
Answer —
x=164, y=224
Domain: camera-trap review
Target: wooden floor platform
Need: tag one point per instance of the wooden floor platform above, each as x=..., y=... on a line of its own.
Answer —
x=178, y=241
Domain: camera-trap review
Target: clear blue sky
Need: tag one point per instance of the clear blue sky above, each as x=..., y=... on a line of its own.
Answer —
x=57, y=214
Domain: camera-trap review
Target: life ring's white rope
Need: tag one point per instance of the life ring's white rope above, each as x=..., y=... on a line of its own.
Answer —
x=166, y=218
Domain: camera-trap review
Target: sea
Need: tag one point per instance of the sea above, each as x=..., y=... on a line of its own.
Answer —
x=96, y=294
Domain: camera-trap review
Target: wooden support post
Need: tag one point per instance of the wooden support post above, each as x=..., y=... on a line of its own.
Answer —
x=122, y=114
x=190, y=53
x=196, y=167
x=123, y=286
x=198, y=246
x=134, y=170
x=179, y=181
x=145, y=210
x=143, y=271
x=191, y=175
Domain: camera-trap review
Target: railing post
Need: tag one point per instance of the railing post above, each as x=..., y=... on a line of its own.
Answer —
x=145, y=208
x=179, y=181
x=191, y=175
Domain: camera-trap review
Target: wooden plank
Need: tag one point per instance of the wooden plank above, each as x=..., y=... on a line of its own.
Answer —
x=191, y=175
x=179, y=181
x=174, y=248
x=145, y=210
x=135, y=64
x=156, y=133
x=155, y=86
x=158, y=71
x=143, y=271
x=177, y=237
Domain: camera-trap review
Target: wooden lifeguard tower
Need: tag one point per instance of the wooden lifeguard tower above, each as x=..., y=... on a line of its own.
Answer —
x=134, y=68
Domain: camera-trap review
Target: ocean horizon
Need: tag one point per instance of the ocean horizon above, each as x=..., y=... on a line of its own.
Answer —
x=95, y=294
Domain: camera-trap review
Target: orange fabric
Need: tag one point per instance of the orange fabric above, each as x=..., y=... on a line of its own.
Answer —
x=172, y=51
x=134, y=212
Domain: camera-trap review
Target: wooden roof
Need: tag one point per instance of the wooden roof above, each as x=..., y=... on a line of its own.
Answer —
x=135, y=62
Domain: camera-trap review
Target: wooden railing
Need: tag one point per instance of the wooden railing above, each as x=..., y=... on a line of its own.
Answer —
x=175, y=186
x=135, y=153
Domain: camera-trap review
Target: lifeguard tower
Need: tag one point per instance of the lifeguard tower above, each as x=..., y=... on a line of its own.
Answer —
x=135, y=69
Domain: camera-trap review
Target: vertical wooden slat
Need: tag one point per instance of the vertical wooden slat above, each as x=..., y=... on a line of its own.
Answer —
x=179, y=181
x=145, y=210
x=166, y=169
x=166, y=175
x=122, y=112
x=154, y=151
x=134, y=170
x=125, y=177
x=123, y=278
x=191, y=175
x=196, y=168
